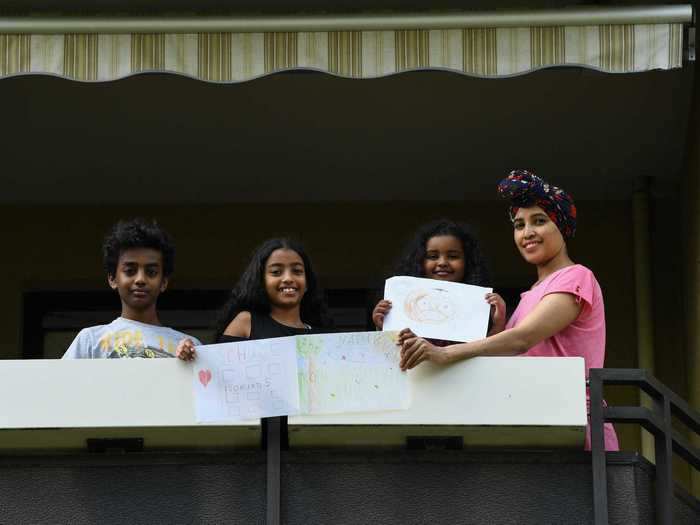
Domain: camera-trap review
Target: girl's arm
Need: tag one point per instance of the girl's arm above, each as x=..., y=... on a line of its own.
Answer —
x=240, y=326
x=552, y=314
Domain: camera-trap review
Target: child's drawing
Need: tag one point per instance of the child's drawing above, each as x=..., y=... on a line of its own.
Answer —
x=253, y=371
x=353, y=372
x=308, y=374
x=250, y=380
x=430, y=306
x=437, y=309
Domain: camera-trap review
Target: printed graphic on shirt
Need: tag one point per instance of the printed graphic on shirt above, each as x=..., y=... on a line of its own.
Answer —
x=130, y=344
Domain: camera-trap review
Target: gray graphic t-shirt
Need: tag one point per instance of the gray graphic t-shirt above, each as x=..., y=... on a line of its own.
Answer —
x=125, y=338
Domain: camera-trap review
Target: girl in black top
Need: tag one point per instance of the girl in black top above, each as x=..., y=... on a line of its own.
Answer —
x=277, y=295
x=264, y=326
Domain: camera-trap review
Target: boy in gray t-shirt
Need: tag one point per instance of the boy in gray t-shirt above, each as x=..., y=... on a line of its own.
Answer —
x=139, y=258
x=125, y=338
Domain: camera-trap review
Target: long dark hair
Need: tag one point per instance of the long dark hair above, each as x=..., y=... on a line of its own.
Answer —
x=249, y=293
x=411, y=262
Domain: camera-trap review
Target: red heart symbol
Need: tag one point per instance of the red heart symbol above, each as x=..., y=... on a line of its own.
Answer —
x=204, y=377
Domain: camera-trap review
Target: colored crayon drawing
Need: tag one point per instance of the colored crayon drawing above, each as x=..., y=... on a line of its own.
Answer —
x=430, y=306
x=350, y=373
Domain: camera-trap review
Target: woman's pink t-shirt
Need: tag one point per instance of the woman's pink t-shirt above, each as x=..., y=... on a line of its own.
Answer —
x=585, y=337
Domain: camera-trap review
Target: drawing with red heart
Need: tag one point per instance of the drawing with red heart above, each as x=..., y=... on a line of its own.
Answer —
x=204, y=377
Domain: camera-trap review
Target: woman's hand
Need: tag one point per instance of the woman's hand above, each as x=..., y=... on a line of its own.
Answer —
x=380, y=312
x=415, y=350
x=498, y=312
x=185, y=350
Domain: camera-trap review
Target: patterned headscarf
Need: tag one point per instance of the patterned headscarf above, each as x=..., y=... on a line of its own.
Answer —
x=525, y=189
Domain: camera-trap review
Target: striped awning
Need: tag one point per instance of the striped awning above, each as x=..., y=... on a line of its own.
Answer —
x=236, y=57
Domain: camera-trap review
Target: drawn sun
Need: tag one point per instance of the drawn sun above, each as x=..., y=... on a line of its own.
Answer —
x=430, y=306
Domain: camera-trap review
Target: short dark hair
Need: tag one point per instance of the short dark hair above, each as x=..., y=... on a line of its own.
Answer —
x=411, y=262
x=137, y=233
x=250, y=294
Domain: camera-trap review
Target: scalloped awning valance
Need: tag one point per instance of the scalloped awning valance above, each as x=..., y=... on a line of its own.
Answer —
x=229, y=57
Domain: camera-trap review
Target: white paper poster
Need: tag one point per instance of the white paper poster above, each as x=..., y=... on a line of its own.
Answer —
x=351, y=372
x=306, y=374
x=437, y=309
x=246, y=380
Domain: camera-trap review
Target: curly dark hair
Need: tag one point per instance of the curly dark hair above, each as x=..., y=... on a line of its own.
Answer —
x=411, y=262
x=137, y=233
x=249, y=293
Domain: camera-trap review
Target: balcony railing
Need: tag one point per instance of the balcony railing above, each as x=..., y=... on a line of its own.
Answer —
x=50, y=405
x=656, y=420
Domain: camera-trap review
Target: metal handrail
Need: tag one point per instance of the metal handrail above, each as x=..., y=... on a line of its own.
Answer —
x=657, y=420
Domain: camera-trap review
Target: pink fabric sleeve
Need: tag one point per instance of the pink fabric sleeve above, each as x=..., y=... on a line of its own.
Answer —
x=576, y=280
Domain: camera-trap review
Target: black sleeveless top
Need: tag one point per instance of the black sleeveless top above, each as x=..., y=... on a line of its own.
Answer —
x=263, y=326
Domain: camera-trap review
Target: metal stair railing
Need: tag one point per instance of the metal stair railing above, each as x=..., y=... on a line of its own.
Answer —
x=656, y=420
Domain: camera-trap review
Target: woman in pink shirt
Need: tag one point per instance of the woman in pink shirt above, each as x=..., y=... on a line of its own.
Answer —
x=563, y=312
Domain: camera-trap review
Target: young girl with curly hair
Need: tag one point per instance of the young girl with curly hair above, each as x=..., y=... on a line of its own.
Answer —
x=445, y=250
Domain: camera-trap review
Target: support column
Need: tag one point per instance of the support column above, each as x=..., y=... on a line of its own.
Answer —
x=692, y=282
x=642, y=287
x=691, y=253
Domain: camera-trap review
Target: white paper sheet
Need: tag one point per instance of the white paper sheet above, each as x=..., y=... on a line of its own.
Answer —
x=437, y=309
x=351, y=372
x=246, y=380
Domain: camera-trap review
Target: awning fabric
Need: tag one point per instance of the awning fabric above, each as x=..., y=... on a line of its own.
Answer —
x=237, y=57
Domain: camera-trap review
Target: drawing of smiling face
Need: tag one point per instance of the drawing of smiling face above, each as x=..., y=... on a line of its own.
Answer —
x=429, y=306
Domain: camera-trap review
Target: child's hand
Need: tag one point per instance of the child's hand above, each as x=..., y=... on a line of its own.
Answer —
x=498, y=312
x=185, y=350
x=380, y=312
